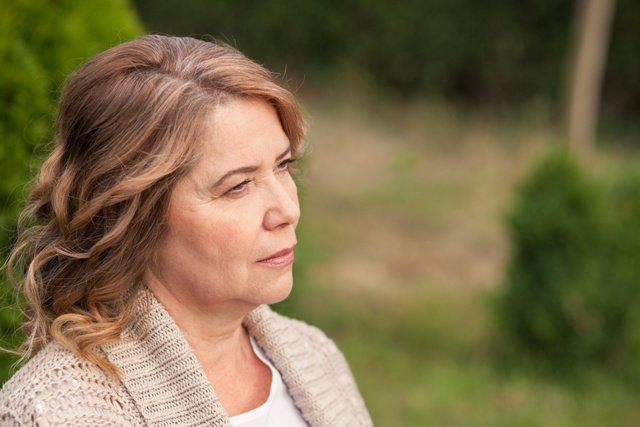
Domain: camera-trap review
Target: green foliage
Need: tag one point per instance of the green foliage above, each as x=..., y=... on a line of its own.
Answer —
x=622, y=79
x=496, y=51
x=622, y=276
x=556, y=232
x=452, y=47
x=572, y=285
x=10, y=333
x=40, y=43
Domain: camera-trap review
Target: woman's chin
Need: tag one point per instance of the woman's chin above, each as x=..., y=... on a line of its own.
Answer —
x=279, y=291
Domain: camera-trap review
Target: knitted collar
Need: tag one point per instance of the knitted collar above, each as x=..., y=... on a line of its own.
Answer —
x=162, y=375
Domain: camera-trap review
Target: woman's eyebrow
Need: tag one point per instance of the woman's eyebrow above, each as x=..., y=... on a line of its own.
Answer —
x=283, y=154
x=248, y=169
x=244, y=169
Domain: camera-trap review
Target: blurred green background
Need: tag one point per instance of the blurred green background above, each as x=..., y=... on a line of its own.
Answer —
x=474, y=270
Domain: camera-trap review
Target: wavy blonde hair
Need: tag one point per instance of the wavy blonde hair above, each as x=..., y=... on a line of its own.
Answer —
x=128, y=128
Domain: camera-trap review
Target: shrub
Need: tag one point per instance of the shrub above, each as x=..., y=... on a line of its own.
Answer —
x=548, y=311
x=489, y=53
x=39, y=45
x=573, y=283
x=621, y=281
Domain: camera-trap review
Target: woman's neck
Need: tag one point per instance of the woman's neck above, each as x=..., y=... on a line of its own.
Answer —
x=241, y=380
x=223, y=349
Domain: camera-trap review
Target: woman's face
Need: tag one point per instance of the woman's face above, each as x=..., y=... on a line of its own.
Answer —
x=231, y=221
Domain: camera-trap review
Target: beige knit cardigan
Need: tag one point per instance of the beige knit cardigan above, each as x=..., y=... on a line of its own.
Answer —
x=162, y=383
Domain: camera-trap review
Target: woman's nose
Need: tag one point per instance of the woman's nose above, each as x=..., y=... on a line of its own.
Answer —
x=282, y=208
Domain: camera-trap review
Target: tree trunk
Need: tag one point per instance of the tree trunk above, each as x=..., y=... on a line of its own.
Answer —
x=591, y=42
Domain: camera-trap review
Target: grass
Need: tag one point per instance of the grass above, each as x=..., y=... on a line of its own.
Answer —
x=402, y=250
x=430, y=360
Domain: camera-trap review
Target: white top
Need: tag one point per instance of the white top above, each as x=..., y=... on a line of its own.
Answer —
x=278, y=410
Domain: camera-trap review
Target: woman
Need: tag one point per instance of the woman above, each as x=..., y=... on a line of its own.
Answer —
x=159, y=227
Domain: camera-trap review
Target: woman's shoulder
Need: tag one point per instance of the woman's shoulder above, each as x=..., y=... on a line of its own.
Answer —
x=313, y=368
x=299, y=343
x=57, y=387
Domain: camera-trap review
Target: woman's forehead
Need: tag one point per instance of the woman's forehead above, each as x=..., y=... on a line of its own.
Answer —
x=242, y=131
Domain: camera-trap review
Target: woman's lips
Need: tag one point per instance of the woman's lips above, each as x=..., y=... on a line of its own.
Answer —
x=281, y=258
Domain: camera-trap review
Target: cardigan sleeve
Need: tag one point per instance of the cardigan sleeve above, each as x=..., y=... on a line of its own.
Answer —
x=316, y=373
x=8, y=419
x=57, y=388
x=59, y=407
x=344, y=376
x=71, y=416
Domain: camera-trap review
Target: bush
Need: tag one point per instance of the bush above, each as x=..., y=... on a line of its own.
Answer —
x=573, y=283
x=556, y=230
x=40, y=43
x=621, y=281
x=498, y=51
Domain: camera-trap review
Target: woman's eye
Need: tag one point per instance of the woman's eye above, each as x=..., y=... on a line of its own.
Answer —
x=237, y=189
x=285, y=165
